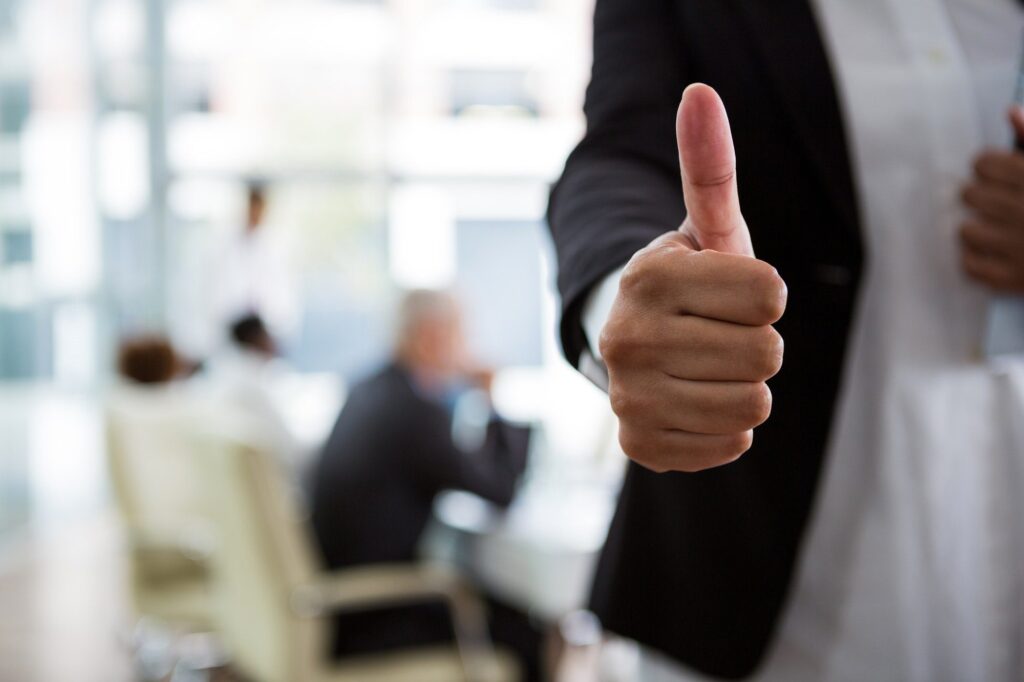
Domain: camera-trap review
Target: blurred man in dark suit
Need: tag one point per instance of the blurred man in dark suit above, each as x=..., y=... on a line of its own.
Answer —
x=392, y=450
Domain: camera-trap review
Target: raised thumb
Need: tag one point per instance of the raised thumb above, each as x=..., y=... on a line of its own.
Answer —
x=707, y=160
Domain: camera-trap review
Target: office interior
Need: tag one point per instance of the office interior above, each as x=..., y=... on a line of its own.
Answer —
x=400, y=144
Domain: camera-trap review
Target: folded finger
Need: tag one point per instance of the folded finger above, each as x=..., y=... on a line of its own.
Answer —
x=722, y=286
x=989, y=269
x=719, y=351
x=708, y=407
x=669, y=450
x=1005, y=168
x=994, y=203
x=985, y=237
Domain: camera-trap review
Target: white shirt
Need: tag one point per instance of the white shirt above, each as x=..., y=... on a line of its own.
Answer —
x=912, y=566
x=252, y=274
x=249, y=389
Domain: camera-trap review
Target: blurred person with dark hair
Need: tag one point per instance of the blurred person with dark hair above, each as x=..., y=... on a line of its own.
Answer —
x=862, y=182
x=250, y=381
x=391, y=451
x=252, y=273
x=156, y=384
x=148, y=359
x=249, y=333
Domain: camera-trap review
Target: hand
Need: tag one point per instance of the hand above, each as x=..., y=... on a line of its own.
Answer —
x=689, y=343
x=993, y=238
x=481, y=377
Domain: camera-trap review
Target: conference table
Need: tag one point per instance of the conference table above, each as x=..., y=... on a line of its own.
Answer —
x=539, y=554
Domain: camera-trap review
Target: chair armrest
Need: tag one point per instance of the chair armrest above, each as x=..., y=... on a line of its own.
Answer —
x=160, y=557
x=386, y=585
x=193, y=545
x=378, y=586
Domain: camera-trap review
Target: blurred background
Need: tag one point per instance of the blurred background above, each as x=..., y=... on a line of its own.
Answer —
x=398, y=144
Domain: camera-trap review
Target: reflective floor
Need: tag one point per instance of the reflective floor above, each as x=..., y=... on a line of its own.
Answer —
x=62, y=607
x=51, y=458
x=61, y=602
x=64, y=613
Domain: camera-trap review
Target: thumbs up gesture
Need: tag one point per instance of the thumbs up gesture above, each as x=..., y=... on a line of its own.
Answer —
x=689, y=343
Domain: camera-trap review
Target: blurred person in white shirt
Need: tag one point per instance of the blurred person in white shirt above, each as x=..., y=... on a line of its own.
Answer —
x=250, y=381
x=252, y=272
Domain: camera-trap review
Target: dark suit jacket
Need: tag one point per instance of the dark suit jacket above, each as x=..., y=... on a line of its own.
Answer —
x=390, y=453
x=699, y=565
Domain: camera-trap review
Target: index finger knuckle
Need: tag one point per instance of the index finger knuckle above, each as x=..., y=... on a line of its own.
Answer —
x=756, y=405
x=767, y=354
x=769, y=293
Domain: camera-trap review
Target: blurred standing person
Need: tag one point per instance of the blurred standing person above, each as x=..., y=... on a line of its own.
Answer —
x=392, y=450
x=253, y=274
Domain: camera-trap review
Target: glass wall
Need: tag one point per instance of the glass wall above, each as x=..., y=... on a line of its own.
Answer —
x=403, y=143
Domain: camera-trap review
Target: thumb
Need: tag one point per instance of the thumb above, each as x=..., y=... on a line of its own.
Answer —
x=707, y=160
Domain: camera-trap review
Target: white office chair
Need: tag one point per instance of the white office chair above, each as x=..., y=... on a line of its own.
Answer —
x=273, y=605
x=163, y=506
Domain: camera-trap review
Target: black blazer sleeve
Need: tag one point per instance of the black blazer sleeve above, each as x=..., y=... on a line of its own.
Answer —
x=621, y=186
x=491, y=471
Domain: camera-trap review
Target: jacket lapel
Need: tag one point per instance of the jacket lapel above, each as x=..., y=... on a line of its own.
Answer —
x=786, y=34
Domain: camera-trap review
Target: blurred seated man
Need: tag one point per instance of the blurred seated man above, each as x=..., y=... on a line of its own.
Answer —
x=391, y=451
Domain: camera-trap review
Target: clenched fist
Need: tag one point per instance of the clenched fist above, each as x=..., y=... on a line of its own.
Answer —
x=689, y=343
x=993, y=238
